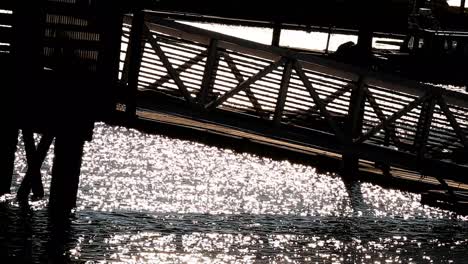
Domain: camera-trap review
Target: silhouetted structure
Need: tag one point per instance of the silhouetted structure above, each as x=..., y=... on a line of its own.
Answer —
x=66, y=62
x=65, y=54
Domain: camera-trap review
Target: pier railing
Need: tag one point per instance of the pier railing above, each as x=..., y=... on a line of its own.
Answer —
x=212, y=72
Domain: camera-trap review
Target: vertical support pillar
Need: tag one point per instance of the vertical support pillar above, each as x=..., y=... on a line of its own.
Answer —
x=136, y=53
x=276, y=35
x=109, y=57
x=462, y=6
x=8, y=142
x=350, y=162
x=283, y=92
x=66, y=172
x=208, y=75
x=423, y=128
x=365, y=41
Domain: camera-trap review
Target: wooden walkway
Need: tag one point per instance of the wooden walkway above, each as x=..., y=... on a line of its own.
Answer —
x=177, y=69
x=280, y=97
x=364, y=166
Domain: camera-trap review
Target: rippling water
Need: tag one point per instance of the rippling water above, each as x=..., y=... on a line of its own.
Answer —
x=149, y=198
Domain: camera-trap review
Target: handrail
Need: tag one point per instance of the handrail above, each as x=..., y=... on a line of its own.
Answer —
x=322, y=65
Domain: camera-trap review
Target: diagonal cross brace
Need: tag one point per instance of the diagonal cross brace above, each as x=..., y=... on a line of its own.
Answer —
x=35, y=157
x=240, y=78
x=393, y=118
x=246, y=83
x=167, y=64
x=380, y=114
x=453, y=121
x=320, y=104
x=332, y=97
x=162, y=80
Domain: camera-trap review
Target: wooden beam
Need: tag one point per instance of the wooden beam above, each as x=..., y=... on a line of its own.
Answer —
x=453, y=121
x=275, y=41
x=283, y=92
x=134, y=56
x=242, y=86
x=209, y=74
x=424, y=127
x=126, y=66
x=381, y=116
x=35, y=159
x=356, y=109
x=240, y=78
x=314, y=63
x=181, y=68
x=332, y=97
x=393, y=118
x=321, y=106
x=167, y=64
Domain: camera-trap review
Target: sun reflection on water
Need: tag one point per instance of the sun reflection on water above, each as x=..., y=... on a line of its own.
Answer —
x=152, y=199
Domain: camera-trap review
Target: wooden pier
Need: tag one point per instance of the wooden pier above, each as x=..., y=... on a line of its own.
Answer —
x=178, y=69
x=362, y=117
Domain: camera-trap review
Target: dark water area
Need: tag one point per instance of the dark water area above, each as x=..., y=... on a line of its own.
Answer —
x=153, y=199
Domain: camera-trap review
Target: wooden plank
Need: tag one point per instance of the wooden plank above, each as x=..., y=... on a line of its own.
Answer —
x=205, y=40
x=283, y=92
x=72, y=44
x=323, y=110
x=209, y=74
x=245, y=84
x=167, y=64
x=221, y=37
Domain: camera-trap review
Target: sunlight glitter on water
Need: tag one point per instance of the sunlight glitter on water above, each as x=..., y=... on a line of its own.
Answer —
x=153, y=199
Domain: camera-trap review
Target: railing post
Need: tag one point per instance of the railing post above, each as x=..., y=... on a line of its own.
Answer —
x=423, y=128
x=350, y=162
x=328, y=40
x=275, y=41
x=208, y=75
x=135, y=54
x=283, y=92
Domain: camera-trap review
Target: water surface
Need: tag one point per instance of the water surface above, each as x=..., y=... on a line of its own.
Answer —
x=153, y=199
